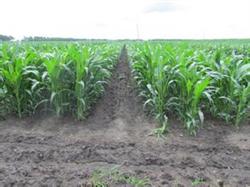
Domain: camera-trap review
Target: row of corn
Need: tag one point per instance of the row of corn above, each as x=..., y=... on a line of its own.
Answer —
x=193, y=81
x=55, y=77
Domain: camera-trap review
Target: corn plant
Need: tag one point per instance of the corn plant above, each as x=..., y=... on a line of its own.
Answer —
x=13, y=73
x=231, y=80
x=151, y=77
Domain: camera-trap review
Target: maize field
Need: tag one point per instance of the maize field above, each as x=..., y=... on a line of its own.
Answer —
x=125, y=113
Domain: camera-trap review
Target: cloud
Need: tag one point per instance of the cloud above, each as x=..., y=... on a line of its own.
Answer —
x=160, y=7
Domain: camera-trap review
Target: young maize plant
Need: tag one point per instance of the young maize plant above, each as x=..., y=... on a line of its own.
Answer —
x=17, y=76
x=80, y=64
x=149, y=72
x=56, y=70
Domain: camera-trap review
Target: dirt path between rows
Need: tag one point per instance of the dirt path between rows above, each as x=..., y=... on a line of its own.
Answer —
x=47, y=151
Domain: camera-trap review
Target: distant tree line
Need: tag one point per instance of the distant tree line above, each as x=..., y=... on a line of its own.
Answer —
x=41, y=38
x=6, y=38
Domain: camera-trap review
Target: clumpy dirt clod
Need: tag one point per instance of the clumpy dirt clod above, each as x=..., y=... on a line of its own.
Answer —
x=50, y=151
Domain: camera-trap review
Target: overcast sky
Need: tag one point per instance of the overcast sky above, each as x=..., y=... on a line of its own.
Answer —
x=126, y=19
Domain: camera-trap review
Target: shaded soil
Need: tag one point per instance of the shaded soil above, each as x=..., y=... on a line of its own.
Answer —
x=50, y=151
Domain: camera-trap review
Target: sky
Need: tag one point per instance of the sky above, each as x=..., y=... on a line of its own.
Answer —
x=126, y=19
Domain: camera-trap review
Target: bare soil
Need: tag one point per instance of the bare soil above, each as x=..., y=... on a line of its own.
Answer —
x=50, y=151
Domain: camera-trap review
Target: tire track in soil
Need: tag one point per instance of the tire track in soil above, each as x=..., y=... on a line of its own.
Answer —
x=37, y=157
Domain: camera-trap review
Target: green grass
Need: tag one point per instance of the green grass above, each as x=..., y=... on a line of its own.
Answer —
x=198, y=181
x=106, y=178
